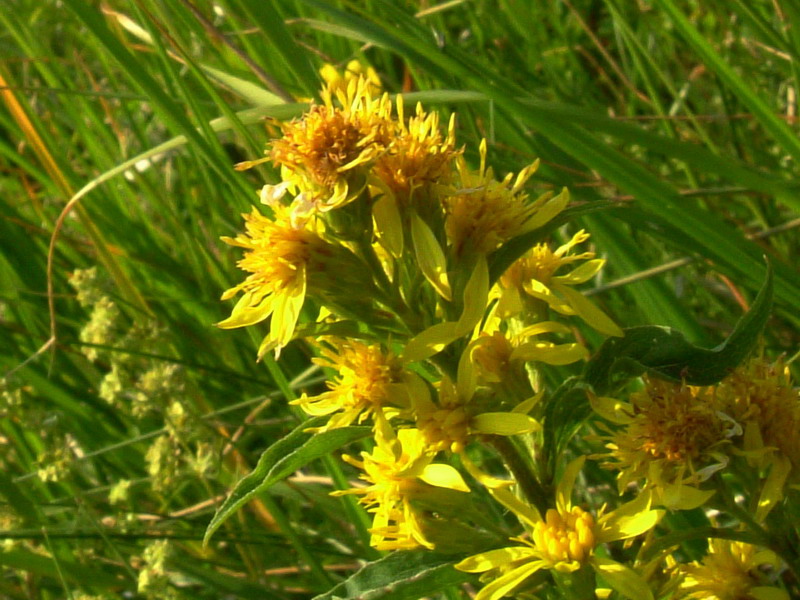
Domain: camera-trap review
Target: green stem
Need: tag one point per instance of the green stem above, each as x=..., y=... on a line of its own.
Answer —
x=391, y=297
x=522, y=472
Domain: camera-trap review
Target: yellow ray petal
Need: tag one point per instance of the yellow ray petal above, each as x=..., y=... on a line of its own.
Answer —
x=503, y=423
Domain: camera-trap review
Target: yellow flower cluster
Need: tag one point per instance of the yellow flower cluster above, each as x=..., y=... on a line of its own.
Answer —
x=730, y=571
x=673, y=437
x=379, y=219
x=379, y=223
x=565, y=541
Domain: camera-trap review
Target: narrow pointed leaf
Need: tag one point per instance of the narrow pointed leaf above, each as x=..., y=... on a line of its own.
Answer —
x=666, y=353
x=281, y=459
x=399, y=576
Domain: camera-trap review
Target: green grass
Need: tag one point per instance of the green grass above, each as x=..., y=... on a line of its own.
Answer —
x=682, y=114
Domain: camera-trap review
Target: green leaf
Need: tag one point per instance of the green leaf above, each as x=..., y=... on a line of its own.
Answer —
x=281, y=459
x=666, y=353
x=44, y=566
x=280, y=43
x=252, y=92
x=399, y=576
x=19, y=502
x=565, y=413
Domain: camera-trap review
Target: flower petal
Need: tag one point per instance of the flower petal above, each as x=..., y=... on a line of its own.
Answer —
x=510, y=581
x=551, y=354
x=543, y=327
x=476, y=296
x=467, y=374
x=548, y=211
x=429, y=342
x=629, y=520
x=525, y=512
x=623, y=579
x=587, y=311
x=485, y=480
x=526, y=406
x=430, y=256
x=243, y=315
x=443, y=476
x=388, y=225
x=684, y=497
x=772, y=491
x=494, y=559
x=614, y=410
x=287, y=310
x=582, y=273
x=504, y=423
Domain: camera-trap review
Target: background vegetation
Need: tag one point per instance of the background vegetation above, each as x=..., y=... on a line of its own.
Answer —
x=124, y=421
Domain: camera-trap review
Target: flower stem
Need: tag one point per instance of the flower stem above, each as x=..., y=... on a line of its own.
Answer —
x=522, y=471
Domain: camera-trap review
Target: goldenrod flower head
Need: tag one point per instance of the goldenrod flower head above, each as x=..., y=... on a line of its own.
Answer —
x=541, y=263
x=671, y=435
x=445, y=426
x=731, y=571
x=498, y=356
x=338, y=81
x=491, y=354
x=369, y=380
x=397, y=470
x=456, y=416
x=759, y=396
x=485, y=213
x=564, y=540
x=533, y=278
x=326, y=153
x=419, y=158
x=279, y=257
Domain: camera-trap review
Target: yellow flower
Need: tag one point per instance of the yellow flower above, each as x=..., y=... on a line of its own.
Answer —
x=339, y=81
x=279, y=258
x=564, y=540
x=420, y=157
x=533, y=278
x=326, y=154
x=759, y=396
x=671, y=435
x=400, y=470
x=484, y=213
x=499, y=356
x=731, y=571
x=458, y=414
x=412, y=174
x=369, y=381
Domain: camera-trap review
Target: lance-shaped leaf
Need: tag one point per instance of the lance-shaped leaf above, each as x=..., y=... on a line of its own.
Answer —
x=283, y=458
x=430, y=257
x=399, y=576
x=666, y=353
